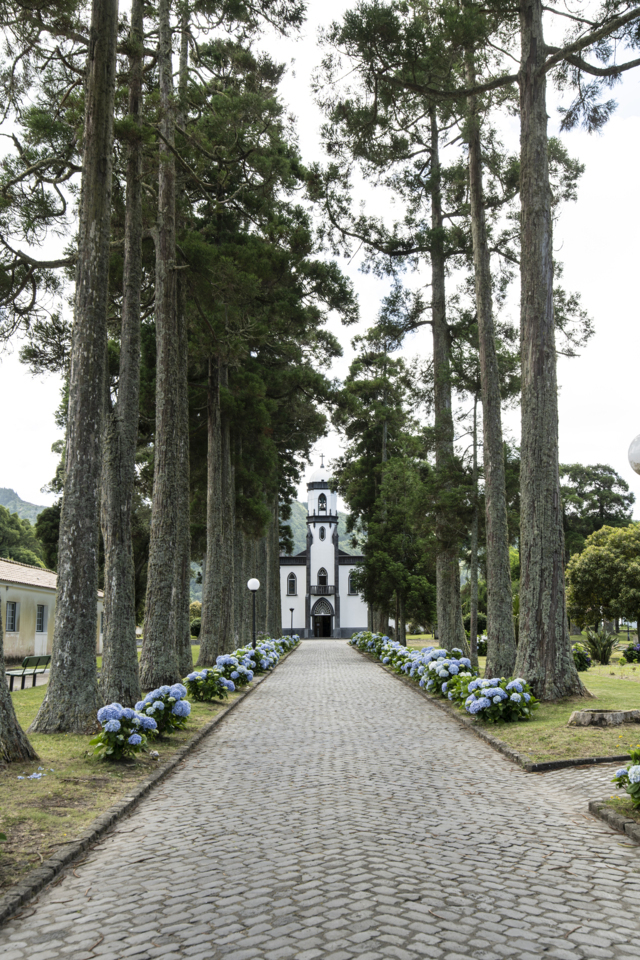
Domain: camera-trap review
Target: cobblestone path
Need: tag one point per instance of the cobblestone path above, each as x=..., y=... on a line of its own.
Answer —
x=336, y=814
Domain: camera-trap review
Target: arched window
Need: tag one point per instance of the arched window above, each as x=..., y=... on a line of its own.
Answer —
x=352, y=588
x=322, y=577
x=322, y=503
x=292, y=585
x=323, y=533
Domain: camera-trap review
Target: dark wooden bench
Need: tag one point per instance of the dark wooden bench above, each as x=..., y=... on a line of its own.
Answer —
x=31, y=667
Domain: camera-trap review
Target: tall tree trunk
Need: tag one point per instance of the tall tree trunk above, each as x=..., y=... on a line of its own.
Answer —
x=120, y=681
x=209, y=632
x=182, y=594
x=159, y=664
x=473, y=577
x=72, y=693
x=226, y=570
x=14, y=744
x=544, y=652
x=501, y=642
x=450, y=626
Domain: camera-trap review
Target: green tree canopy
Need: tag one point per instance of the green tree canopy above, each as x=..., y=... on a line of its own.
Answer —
x=592, y=497
x=18, y=540
x=603, y=581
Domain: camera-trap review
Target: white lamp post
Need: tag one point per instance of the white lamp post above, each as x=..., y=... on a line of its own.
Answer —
x=254, y=586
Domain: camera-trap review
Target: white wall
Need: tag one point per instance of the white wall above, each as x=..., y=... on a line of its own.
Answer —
x=296, y=602
x=353, y=609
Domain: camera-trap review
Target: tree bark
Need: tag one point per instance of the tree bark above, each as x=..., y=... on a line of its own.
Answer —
x=544, y=651
x=450, y=626
x=209, y=631
x=120, y=681
x=473, y=573
x=159, y=664
x=14, y=744
x=71, y=700
x=501, y=641
x=182, y=594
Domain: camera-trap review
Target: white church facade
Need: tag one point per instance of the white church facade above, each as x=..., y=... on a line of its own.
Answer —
x=316, y=585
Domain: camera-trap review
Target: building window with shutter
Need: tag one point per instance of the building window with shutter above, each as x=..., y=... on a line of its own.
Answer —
x=323, y=533
x=322, y=503
x=322, y=577
x=352, y=589
x=12, y=617
x=41, y=618
x=292, y=585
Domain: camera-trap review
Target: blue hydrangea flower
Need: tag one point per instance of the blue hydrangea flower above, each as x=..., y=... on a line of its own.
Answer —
x=181, y=708
x=454, y=669
x=147, y=723
x=135, y=740
x=229, y=684
x=128, y=713
x=158, y=705
x=234, y=674
x=497, y=699
x=515, y=697
x=515, y=685
x=622, y=772
x=527, y=697
x=139, y=705
x=634, y=773
x=164, y=690
x=113, y=711
x=178, y=691
x=112, y=726
x=193, y=676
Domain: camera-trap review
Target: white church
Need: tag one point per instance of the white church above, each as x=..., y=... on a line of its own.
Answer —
x=316, y=586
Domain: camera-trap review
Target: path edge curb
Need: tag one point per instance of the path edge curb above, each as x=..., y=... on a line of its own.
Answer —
x=630, y=828
x=522, y=760
x=37, y=879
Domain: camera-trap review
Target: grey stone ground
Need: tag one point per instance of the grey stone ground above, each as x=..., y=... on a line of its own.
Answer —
x=336, y=814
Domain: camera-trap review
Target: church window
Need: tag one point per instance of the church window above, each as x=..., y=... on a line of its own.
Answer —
x=323, y=533
x=352, y=588
x=322, y=503
x=292, y=585
x=322, y=577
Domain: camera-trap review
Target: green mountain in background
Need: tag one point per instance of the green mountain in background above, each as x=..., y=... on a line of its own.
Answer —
x=298, y=524
x=14, y=504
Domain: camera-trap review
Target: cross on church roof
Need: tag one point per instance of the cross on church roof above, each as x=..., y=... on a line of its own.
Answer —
x=322, y=459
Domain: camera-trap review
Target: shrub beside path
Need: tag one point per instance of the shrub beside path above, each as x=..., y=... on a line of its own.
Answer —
x=336, y=814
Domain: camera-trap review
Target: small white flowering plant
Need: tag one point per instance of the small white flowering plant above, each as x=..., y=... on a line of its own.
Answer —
x=498, y=699
x=628, y=778
x=124, y=732
x=167, y=706
x=208, y=684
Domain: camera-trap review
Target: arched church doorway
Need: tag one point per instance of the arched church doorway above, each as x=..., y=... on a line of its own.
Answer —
x=322, y=619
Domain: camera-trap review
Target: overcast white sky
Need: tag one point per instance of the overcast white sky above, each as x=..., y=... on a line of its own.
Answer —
x=597, y=239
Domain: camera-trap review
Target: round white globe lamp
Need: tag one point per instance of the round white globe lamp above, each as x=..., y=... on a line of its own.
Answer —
x=254, y=586
x=634, y=454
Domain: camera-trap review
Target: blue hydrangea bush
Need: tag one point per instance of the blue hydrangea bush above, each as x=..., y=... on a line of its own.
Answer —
x=237, y=669
x=208, y=684
x=449, y=674
x=124, y=732
x=500, y=699
x=167, y=706
x=628, y=778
